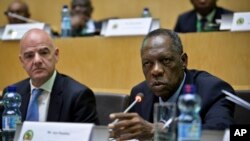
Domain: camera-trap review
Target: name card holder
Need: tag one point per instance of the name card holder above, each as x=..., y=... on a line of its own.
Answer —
x=16, y=31
x=128, y=27
x=241, y=21
x=55, y=131
x=226, y=21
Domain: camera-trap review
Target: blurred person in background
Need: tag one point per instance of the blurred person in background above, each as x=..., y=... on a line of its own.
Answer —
x=82, y=23
x=20, y=8
x=202, y=18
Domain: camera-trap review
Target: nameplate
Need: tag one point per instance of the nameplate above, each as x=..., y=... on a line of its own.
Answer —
x=128, y=27
x=226, y=21
x=16, y=31
x=55, y=131
x=241, y=22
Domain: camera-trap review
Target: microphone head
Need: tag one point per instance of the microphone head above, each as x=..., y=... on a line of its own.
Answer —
x=139, y=97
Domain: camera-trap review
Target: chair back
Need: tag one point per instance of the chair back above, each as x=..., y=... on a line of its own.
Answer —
x=107, y=103
x=242, y=115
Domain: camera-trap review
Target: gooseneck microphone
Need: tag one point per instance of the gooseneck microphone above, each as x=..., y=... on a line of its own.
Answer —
x=138, y=98
x=20, y=17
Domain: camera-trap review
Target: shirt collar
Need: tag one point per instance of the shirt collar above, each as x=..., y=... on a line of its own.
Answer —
x=209, y=17
x=47, y=86
x=89, y=28
x=174, y=97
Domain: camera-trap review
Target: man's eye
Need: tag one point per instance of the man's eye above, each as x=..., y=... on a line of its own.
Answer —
x=28, y=56
x=146, y=64
x=44, y=52
x=166, y=61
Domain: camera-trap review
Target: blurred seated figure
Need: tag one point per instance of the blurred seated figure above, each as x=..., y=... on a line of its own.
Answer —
x=20, y=8
x=18, y=13
x=16, y=7
x=81, y=21
x=201, y=18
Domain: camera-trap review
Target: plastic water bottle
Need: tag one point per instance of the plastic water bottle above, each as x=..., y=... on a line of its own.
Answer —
x=11, y=114
x=189, y=123
x=146, y=13
x=65, y=22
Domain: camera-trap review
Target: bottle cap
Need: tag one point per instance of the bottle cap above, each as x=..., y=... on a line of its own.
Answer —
x=189, y=88
x=65, y=6
x=11, y=88
x=146, y=9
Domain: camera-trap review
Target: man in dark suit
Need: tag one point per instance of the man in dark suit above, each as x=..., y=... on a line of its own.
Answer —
x=82, y=23
x=164, y=66
x=61, y=99
x=202, y=18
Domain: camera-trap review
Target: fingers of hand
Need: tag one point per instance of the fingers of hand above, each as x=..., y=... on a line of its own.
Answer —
x=122, y=116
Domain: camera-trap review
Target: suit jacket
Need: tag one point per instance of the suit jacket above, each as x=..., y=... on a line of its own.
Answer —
x=82, y=32
x=70, y=101
x=187, y=21
x=216, y=112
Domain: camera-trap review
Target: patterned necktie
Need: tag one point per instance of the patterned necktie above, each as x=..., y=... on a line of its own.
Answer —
x=33, y=112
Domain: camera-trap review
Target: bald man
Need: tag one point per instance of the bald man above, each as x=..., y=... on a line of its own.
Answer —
x=20, y=8
x=62, y=99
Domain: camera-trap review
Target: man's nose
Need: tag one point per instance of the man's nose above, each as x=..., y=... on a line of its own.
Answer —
x=157, y=69
x=37, y=58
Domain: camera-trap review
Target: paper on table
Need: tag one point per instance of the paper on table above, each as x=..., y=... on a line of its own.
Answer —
x=226, y=135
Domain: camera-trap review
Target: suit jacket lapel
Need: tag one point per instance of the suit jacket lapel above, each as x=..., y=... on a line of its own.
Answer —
x=55, y=104
x=25, y=94
x=193, y=22
x=148, y=104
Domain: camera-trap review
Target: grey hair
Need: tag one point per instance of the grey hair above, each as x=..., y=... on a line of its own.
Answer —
x=176, y=41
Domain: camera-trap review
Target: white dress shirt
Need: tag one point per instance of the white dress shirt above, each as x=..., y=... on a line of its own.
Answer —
x=44, y=98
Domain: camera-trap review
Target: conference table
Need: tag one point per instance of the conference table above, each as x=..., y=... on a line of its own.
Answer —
x=101, y=134
x=112, y=64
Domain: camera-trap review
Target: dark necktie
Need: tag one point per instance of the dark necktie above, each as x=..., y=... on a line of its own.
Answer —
x=203, y=24
x=33, y=112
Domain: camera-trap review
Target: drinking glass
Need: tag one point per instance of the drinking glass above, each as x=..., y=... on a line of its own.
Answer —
x=165, y=121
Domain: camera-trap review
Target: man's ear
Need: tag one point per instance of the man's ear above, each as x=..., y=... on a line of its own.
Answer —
x=57, y=54
x=184, y=59
x=21, y=60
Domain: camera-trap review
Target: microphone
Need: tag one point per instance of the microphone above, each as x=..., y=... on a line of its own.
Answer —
x=47, y=28
x=138, y=98
x=20, y=17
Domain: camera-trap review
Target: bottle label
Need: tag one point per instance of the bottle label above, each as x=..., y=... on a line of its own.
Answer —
x=189, y=131
x=9, y=122
x=66, y=23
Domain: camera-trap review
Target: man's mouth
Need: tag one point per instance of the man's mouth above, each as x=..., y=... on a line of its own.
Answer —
x=157, y=85
x=37, y=70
